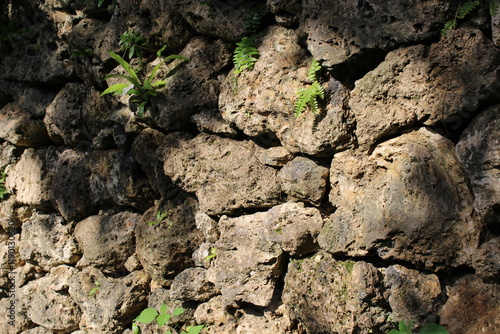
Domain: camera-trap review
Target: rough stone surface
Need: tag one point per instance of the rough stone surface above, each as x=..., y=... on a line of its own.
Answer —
x=400, y=201
x=173, y=240
x=412, y=295
x=117, y=302
x=46, y=301
x=351, y=29
x=317, y=286
x=71, y=190
x=472, y=307
x=226, y=176
x=29, y=179
x=47, y=241
x=107, y=241
x=419, y=84
x=258, y=241
x=117, y=178
x=479, y=153
x=274, y=156
x=21, y=128
x=212, y=122
x=192, y=284
x=261, y=102
x=305, y=180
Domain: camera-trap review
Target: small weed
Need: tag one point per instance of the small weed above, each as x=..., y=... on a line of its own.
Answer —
x=244, y=54
x=96, y=289
x=133, y=43
x=3, y=190
x=308, y=97
x=81, y=50
x=428, y=328
x=212, y=254
x=150, y=315
x=462, y=11
x=160, y=217
x=141, y=89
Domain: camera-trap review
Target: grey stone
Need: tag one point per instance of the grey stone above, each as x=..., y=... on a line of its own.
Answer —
x=21, y=128
x=192, y=284
x=305, y=180
x=274, y=156
x=107, y=241
x=211, y=121
x=225, y=175
x=479, y=154
x=443, y=83
x=400, y=201
x=47, y=241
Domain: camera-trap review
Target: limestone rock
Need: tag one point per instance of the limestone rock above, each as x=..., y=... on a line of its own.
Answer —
x=305, y=180
x=107, y=241
x=207, y=226
x=260, y=102
x=147, y=151
x=211, y=121
x=479, y=153
x=412, y=295
x=192, y=88
x=47, y=241
x=192, y=284
x=21, y=128
x=400, y=202
x=343, y=30
x=472, y=307
x=225, y=174
x=277, y=156
x=419, y=84
x=258, y=241
x=47, y=303
x=319, y=286
x=286, y=12
x=117, y=178
x=173, y=240
x=71, y=191
x=486, y=260
x=112, y=307
x=29, y=179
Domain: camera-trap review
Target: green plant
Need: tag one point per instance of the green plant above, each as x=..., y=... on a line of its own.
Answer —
x=462, y=11
x=132, y=42
x=81, y=50
x=160, y=217
x=308, y=97
x=428, y=328
x=494, y=5
x=142, y=89
x=212, y=254
x=244, y=53
x=96, y=289
x=150, y=314
x=253, y=19
x=3, y=190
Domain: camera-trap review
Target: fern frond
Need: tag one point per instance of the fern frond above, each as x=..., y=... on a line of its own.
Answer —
x=466, y=8
x=315, y=67
x=308, y=97
x=243, y=57
x=448, y=26
x=494, y=5
x=253, y=18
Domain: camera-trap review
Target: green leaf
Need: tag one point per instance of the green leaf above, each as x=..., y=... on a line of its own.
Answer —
x=163, y=307
x=147, y=316
x=178, y=311
x=163, y=319
x=124, y=64
x=135, y=328
x=405, y=328
x=176, y=57
x=466, y=8
x=393, y=331
x=168, y=332
x=117, y=89
x=159, y=52
x=100, y=3
x=494, y=4
x=431, y=328
x=194, y=329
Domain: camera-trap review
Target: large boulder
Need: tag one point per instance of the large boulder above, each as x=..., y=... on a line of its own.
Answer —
x=441, y=83
x=21, y=128
x=340, y=31
x=224, y=173
x=260, y=102
x=400, y=201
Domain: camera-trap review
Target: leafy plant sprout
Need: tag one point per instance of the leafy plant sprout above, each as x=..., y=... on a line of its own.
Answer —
x=133, y=43
x=160, y=217
x=150, y=315
x=308, y=97
x=3, y=190
x=428, y=328
x=96, y=289
x=141, y=89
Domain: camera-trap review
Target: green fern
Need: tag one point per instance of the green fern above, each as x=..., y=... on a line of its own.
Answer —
x=462, y=11
x=308, y=97
x=494, y=4
x=244, y=53
x=3, y=190
x=253, y=19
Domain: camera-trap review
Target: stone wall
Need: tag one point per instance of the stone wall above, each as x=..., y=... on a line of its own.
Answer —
x=384, y=206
